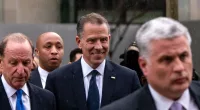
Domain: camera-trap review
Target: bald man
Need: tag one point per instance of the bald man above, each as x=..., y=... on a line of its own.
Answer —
x=49, y=50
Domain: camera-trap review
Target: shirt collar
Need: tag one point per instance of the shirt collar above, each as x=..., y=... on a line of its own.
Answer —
x=43, y=73
x=10, y=90
x=87, y=69
x=163, y=102
x=185, y=99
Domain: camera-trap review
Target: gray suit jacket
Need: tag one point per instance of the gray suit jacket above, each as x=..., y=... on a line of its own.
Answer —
x=142, y=99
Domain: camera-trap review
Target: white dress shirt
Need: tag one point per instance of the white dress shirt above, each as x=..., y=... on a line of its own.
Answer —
x=86, y=69
x=11, y=94
x=163, y=103
x=43, y=76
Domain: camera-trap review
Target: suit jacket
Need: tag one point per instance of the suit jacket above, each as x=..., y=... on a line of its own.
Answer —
x=35, y=78
x=40, y=99
x=143, y=100
x=67, y=84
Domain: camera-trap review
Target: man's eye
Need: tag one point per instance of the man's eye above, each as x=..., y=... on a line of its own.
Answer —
x=166, y=59
x=91, y=40
x=13, y=63
x=47, y=46
x=183, y=56
x=59, y=46
x=25, y=63
x=104, y=39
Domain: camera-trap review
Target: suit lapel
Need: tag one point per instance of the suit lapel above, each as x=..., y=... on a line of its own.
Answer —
x=146, y=99
x=78, y=85
x=4, y=102
x=35, y=78
x=108, y=84
x=34, y=99
x=195, y=93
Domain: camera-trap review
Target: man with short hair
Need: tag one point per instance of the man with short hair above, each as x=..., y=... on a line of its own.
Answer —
x=75, y=55
x=15, y=92
x=50, y=50
x=92, y=81
x=166, y=61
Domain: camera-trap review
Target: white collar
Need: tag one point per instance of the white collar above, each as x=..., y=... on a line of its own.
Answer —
x=43, y=73
x=10, y=90
x=87, y=69
x=165, y=103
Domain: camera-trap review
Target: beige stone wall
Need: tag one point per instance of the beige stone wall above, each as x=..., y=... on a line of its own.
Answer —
x=31, y=11
x=48, y=11
x=194, y=9
x=188, y=10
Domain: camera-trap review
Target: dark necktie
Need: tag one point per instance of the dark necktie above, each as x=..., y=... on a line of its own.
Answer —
x=93, y=93
x=19, y=104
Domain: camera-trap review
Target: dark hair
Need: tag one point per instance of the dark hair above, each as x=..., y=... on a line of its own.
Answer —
x=93, y=18
x=73, y=53
x=17, y=37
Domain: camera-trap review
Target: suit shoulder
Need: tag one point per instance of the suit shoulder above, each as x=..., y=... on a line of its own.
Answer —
x=34, y=76
x=127, y=103
x=195, y=85
x=34, y=72
x=120, y=68
x=41, y=91
x=61, y=70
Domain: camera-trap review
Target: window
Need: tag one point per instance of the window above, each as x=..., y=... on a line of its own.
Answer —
x=116, y=11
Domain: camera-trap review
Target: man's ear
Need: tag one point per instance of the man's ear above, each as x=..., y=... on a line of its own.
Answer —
x=1, y=65
x=143, y=65
x=78, y=42
x=109, y=37
x=37, y=52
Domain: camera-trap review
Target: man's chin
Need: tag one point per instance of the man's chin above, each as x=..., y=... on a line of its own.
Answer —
x=98, y=61
x=181, y=87
x=18, y=85
x=54, y=66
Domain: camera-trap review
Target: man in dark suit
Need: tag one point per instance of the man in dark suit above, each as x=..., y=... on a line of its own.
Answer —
x=15, y=92
x=166, y=61
x=92, y=81
x=50, y=50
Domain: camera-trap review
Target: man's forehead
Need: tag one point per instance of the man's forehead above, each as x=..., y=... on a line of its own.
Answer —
x=51, y=39
x=17, y=47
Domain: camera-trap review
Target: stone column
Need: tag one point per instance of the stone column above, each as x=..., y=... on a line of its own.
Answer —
x=189, y=10
x=184, y=10
x=31, y=11
x=1, y=11
x=172, y=9
x=194, y=9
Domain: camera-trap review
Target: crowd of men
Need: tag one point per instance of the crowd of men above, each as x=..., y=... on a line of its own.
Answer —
x=89, y=81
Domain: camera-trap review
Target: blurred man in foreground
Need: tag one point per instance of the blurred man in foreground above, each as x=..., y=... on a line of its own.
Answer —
x=166, y=61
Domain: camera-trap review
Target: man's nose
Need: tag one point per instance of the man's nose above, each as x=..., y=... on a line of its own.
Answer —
x=98, y=45
x=54, y=50
x=20, y=69
x=178, y=66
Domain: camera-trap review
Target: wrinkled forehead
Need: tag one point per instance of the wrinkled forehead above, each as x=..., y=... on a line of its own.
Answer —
x=16, y=48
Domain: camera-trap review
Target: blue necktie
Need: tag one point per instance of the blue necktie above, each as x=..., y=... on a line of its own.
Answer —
x=93, y=93
x=19, y=104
